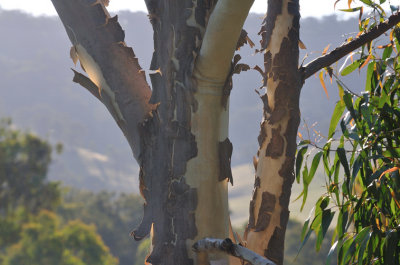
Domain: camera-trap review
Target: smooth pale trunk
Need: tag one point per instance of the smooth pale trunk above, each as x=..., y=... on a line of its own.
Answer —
x=211, y=121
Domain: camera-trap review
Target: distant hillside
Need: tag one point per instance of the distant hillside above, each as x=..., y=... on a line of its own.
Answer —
x=36, y=91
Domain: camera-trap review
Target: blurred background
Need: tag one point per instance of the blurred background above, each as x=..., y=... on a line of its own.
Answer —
x=83, y=179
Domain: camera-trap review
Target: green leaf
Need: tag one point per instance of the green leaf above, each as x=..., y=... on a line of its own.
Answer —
x=303, y=242
x=305, y=187
x=304, y=142
x=367, y=2
x=327, y=216
x=351, y=9
x=384, y=99
x=362, y=234
x=343, y=160
x=348, y=100
x=341, y=223
x=341, y=91
x=350, y=68
x=331, y=251
x=387, y=52
x=337, y=114
x=391, y=243
x=305, y=228
x=356, y=168
x=348, y=248
x=370, y=71
x=299, y=161
x=314, y=166
x=362, y=247
x=365, y=111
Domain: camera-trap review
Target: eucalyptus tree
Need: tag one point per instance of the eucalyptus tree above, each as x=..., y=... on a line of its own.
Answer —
x=178, y=128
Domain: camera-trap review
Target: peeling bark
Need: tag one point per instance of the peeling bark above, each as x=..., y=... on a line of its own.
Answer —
x=111, y=66
x=225, y=154
x=274, y=173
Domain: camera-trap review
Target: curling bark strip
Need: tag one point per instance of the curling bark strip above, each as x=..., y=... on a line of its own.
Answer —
x=98, y=43
x=274, y=170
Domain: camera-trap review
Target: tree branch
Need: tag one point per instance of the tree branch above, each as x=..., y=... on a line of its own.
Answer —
x=98, y=43
x=220, y=40
x=341, y=51
x=227, y=246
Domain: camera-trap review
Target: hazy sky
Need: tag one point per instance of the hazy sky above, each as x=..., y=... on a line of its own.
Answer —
x=316, y=8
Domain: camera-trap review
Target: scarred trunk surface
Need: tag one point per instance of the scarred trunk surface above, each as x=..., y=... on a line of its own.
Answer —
x=171, y=202
x=269, y=212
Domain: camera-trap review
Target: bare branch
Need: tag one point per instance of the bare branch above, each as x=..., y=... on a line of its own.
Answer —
x=220, y=40
x=227, y=246
x=341, y=51
x=114, y=74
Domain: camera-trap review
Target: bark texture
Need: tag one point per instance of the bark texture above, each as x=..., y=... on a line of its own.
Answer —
x=180, y=164
x=269, y=212
x=168, y=145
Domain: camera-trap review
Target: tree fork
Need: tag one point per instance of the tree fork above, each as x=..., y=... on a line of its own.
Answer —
x=185, y=197
x=177, y=144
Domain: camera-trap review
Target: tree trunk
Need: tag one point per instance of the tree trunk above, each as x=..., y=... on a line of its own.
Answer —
x=269, y=212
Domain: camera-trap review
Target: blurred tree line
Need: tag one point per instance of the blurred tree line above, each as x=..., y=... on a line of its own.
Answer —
x=44, y=223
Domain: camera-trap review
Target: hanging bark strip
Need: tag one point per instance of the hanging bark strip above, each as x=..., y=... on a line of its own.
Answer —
x=274, y=171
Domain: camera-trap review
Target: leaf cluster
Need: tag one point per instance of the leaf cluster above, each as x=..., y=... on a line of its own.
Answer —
x=361, y=161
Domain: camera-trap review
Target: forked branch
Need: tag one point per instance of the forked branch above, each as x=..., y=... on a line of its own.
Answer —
x=227, y=246
x=221, y=37
x=341, y=51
